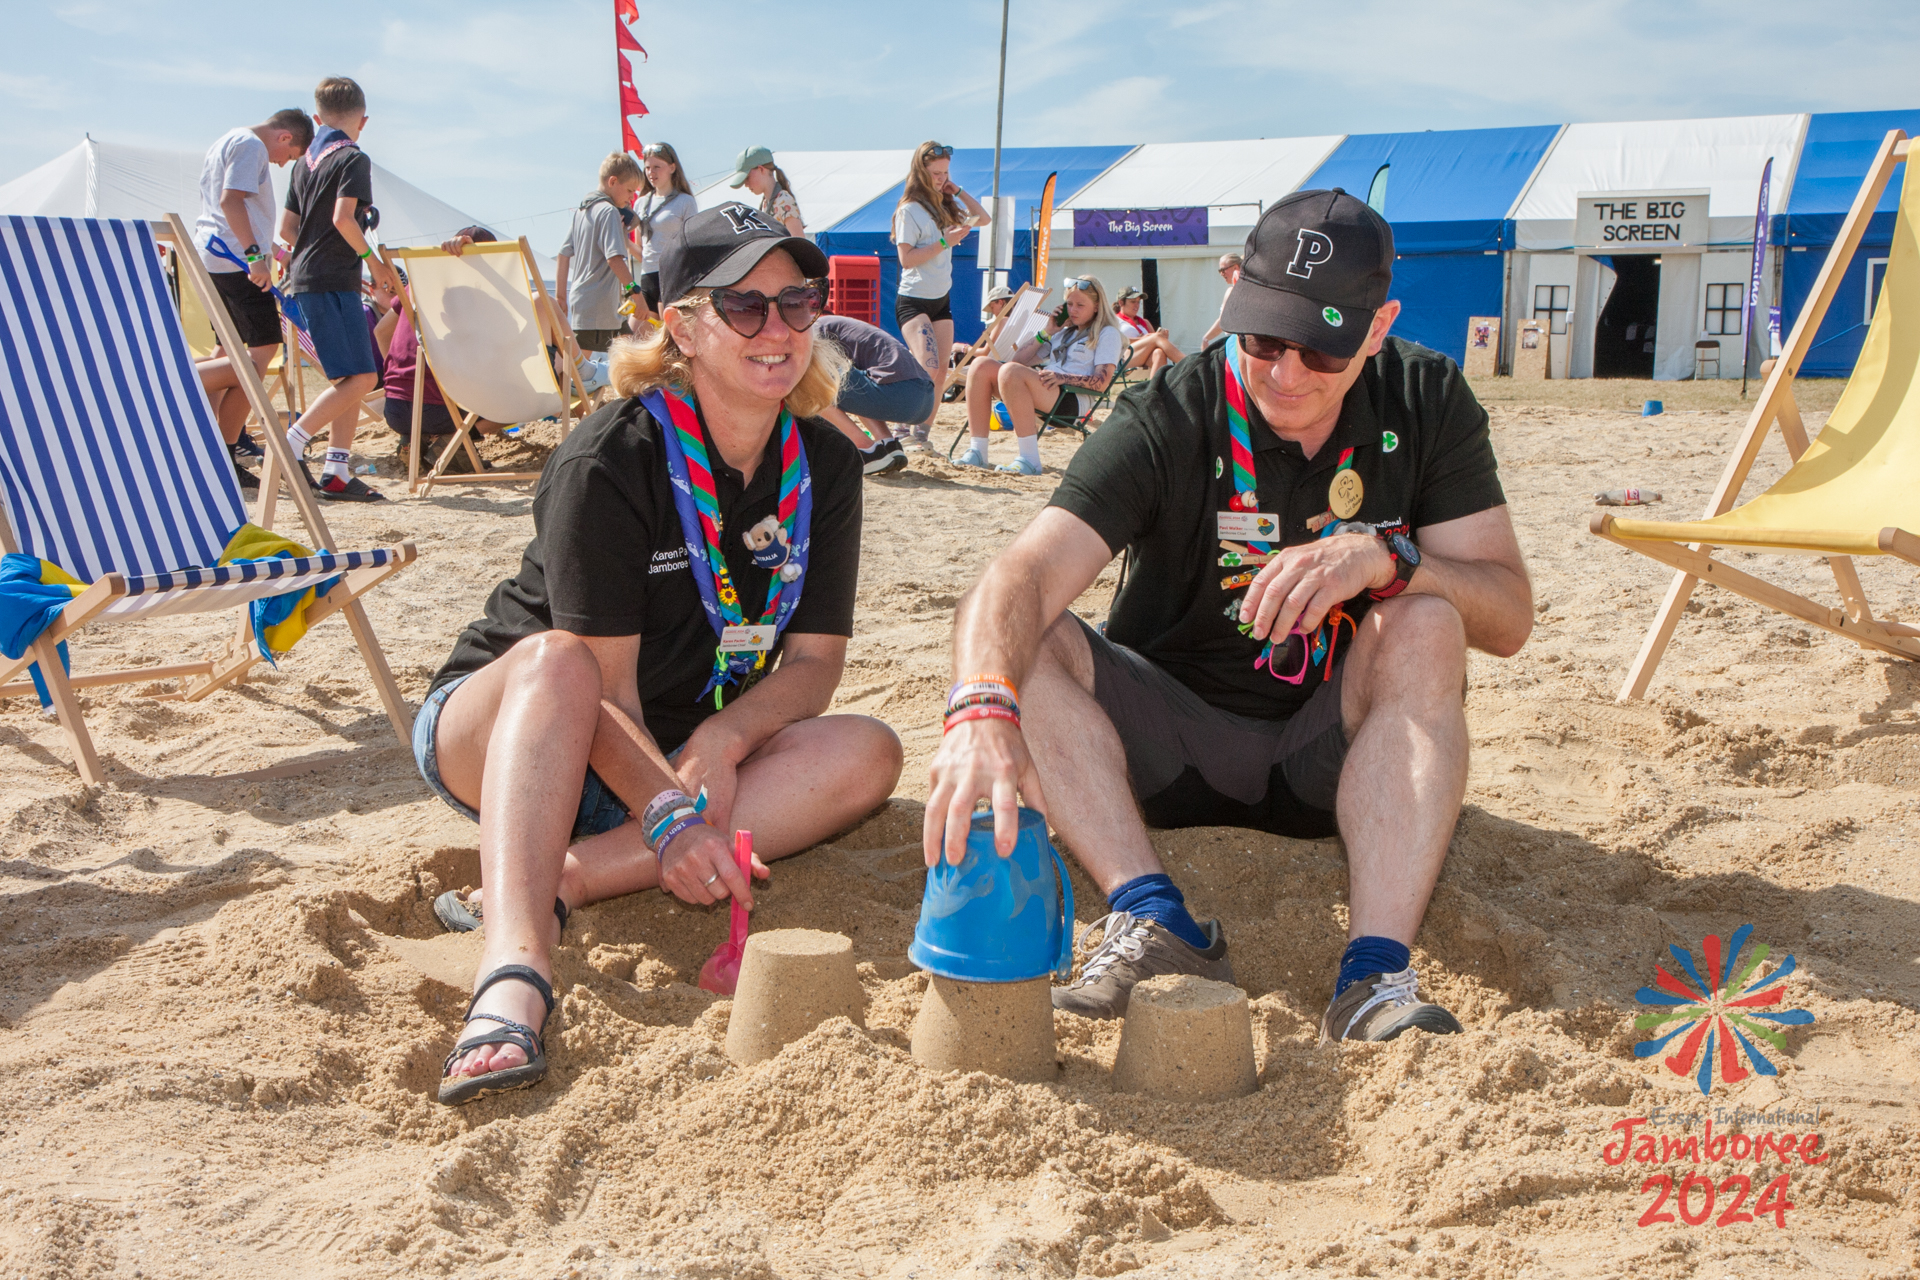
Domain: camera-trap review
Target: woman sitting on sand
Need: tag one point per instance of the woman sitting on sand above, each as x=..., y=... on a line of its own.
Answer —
x=1147, y=345
x=678, y=625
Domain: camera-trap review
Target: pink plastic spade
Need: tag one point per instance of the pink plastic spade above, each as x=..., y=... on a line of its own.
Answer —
x=721, y=973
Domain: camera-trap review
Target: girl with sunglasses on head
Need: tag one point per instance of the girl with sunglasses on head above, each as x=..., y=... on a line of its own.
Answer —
x=933, y=216
x=669, y=198
x=1074, y=355
x=656, y=673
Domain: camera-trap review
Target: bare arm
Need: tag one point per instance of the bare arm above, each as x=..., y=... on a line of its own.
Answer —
x=349, y=228
x=921, y=256
x=794, y=226
x=560, y=265
x=289, y=228
x=1473, y=563
x=233, y=205
x=997, y=631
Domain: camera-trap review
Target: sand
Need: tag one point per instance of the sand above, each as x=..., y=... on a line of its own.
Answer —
x=226, y=999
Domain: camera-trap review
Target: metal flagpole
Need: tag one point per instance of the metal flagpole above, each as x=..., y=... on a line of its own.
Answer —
x=999, y=114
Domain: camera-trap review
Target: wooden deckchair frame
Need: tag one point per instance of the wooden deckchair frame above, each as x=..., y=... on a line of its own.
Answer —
x=1694, y=561
x=555, y=332
x=240, y=653
x=957, y=375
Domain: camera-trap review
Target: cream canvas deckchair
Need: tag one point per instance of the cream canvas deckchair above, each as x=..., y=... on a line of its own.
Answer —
x=1854, y=491
x=112, y=470
x=484, y=323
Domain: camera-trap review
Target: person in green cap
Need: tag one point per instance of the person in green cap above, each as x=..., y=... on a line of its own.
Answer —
x=755, y=170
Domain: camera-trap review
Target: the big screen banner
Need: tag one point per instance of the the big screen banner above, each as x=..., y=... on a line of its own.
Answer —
x=1093, y=228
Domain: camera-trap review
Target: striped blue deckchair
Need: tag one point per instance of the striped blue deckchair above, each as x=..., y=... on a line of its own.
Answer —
x=113, y=470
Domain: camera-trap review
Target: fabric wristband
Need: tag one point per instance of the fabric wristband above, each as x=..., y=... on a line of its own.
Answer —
x=668, y=800
x=1001, y=681
x=983, y=700
x=665, y=823
x=691, y=820
x=979, y=713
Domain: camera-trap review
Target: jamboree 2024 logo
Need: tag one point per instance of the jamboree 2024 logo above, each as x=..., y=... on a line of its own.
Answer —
x=1722, y=1006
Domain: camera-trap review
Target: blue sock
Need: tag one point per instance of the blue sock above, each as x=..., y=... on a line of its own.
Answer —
x=1370, y=955
x=1156, y=898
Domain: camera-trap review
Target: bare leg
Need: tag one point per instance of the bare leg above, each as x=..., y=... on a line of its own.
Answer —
x=844, y=424
x=218, y=377
x=1406, y=769
x=1082, y=765
x=875, y=428
x=918, y=334
x=943, y=353
x=337, y=410
x=524, y=724
x=1022, y=391
x=983, y=380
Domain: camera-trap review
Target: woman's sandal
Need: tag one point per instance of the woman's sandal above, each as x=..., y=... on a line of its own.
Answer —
x=456, y=1090
x=462, y=916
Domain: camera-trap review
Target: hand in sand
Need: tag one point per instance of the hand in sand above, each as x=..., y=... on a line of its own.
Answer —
x=1300, y=584
x=979, y=759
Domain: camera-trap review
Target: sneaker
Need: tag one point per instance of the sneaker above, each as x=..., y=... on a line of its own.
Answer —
x=352, y=489
x=249, y=482
x=1382, y=1005
x=247, y=446
x=888, y=455
x=1021, y=467
x=1132, y=951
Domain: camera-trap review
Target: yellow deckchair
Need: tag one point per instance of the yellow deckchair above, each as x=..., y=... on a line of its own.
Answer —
x=1855, y=491
x=485, y=323
x=202, y=343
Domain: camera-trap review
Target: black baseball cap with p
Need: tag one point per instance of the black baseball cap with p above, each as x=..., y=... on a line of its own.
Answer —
x=1318, y=265
x=719, y=246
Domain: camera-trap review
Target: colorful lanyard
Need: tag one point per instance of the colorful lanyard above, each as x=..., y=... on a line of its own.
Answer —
x=1319, y=647
x=698, y=503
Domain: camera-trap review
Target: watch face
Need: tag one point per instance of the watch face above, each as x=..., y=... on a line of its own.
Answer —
x=1404, y=548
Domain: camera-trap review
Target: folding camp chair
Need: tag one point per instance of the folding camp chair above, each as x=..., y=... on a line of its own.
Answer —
x=485, y=325
x=1851, y=492
x=112, y=469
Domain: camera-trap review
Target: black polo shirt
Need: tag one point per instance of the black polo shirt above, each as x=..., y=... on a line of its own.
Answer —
x=1152, y=479
x=608, y=558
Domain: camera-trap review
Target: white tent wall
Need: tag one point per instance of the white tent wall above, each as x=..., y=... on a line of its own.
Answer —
x=829, y=185
x=1723, y=156
x=1234, y=180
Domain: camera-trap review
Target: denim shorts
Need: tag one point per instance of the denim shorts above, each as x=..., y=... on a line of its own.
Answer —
x=337, y=327
x=909, y=401
x=600, y=810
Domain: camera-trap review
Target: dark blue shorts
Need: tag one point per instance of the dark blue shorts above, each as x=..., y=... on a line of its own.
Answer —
x=600, y=810
x=337, y=326
x=909, y=401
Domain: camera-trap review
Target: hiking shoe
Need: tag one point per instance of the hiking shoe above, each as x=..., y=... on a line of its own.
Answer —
x=888, y=455
x=351, y=489
x=1132, y=951
x=1382, y=1005
x=1020, y=467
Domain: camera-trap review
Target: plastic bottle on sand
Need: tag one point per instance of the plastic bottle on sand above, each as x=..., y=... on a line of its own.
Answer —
x=1625, y=497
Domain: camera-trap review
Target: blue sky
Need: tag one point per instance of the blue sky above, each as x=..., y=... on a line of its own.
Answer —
x=505, y=109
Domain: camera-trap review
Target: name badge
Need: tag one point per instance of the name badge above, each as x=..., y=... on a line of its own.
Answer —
x=1255, y=526
x=746, y=639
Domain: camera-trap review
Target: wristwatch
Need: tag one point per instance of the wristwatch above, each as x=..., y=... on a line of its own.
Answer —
x=1406, y=558
x=251, y=253
x=628, y=290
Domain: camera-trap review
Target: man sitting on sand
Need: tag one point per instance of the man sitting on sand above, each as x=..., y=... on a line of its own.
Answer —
x=1316, y=533
x=676, y=629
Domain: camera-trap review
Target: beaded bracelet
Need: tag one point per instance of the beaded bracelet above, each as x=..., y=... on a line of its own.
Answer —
x=983, y=700
x=982, y=684
x=960, y=717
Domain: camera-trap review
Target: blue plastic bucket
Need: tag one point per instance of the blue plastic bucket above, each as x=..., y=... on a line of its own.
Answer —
x=1002, y=420
x=1652, y=409
x=995, y=919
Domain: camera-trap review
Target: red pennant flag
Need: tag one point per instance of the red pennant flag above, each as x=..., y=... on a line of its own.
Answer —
x=625, y=11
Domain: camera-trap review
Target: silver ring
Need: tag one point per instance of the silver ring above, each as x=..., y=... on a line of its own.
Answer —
x=710, y=879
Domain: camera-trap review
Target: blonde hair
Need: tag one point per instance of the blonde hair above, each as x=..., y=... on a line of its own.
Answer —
x=945, y=209
x=656, y=363
x=338, y=96
x=664, y=151
x=620, y=165
x=1103, y=317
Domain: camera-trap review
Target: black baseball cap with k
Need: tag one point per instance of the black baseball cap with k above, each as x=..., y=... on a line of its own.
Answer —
x=719, y=246
x=1318, y=265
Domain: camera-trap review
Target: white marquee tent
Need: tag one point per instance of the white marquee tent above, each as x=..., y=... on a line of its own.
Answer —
x=1723, y=157
x=829, y=185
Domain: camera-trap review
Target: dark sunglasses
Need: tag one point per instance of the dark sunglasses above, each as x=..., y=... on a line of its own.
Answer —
x=1262, y=347
x=745, y=310
x=657, y=151
x=939, y=152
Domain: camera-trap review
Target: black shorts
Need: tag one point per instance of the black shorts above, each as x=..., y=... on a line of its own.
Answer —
x=597, y=339
x=650, y=289
x=1194, y=765
x=434, y=419
x=935, y=309
x=254, y=312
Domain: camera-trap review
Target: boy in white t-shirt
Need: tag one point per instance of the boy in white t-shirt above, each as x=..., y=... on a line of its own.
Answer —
x=237, y=208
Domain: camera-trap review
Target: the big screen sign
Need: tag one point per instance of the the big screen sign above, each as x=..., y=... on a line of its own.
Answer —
x=1640, y=221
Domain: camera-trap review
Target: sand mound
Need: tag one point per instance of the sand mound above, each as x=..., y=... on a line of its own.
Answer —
x=228, y=1001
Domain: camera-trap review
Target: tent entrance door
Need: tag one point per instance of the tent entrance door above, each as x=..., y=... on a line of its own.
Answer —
x=1623, y=337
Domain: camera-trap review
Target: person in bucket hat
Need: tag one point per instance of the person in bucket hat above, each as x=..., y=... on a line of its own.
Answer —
x=1316, y=535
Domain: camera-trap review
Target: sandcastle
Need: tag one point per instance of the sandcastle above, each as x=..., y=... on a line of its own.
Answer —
x=1001, y=1028
x=791, y=980
x=1186, y=1039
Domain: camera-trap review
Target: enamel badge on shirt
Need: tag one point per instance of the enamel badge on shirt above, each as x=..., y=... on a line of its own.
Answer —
x=1254, y=526
x=746, y=639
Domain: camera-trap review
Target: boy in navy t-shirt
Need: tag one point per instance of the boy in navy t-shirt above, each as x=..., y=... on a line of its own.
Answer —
x=328, y=213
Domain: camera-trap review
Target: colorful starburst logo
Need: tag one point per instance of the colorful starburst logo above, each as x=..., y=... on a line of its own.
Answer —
x=1718, y=1012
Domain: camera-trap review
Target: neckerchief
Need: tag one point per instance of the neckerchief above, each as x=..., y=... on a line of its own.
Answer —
x=698, y=503
x=324, y=144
